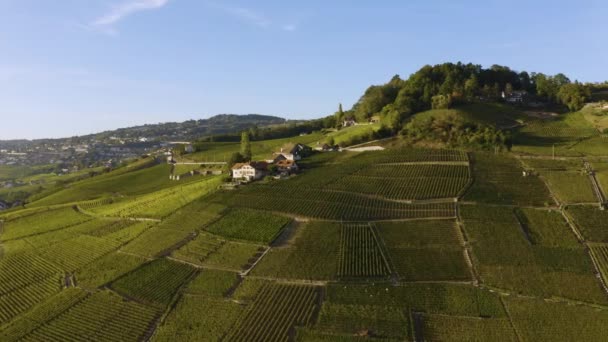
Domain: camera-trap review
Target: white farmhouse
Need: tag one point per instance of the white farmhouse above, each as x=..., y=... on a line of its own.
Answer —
x=249, y=171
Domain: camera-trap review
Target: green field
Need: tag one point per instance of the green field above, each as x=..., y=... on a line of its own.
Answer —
x=567, y=135
x=425, y=250
x=396, y=245
x=542, y=263
x=42, y=313
x=106, y=269
x=601, y=169
x=250, y=225
x=102, y=316
x=198, y=318
x=315, y=249
x=361, y=253
x=537, y=320
x=295, y=306
x=213, y=251
x=499, y=179
x=155, y=283
x=380, y=321
x=450, y=328
x=592, y=222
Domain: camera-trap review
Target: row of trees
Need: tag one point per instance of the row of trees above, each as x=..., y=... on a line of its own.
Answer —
x=270, y=132
x=444, y=85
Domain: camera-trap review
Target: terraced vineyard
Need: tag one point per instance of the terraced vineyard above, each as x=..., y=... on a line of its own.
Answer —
x=567, y=128
x=101, y=317
x=361, y=254
x=276, y=311
x=499, y=179
x=425, y=250
x=237, y=225
x=396, y=245
x=387, y=322
x=600, y=254
x=402, y=182
x=443, y=327
x=161, y=203
x=154, y=283
x=75, y=253
x=46, y=311
x=593, y=223
x=319, y=204
x=210, y=250
x=106, y=269
x=20, y=300
x=509, y=258
x=41, y=223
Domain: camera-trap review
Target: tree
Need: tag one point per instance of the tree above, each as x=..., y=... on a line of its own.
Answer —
x=573, y=95
x=561, y=80
x=526, y=82
x=339, y=114
x=441, y=101
x=471, y=87
x=245, y=146
x=235, y=158
x=547, y=86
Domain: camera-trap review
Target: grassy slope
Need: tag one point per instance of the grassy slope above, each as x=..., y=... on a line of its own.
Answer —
x=131, y=183
x=493, y=114
x=344, y=135
x=596, y=116
x=571, y=135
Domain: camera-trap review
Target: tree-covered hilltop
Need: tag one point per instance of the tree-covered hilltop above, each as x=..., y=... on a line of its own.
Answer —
x=448, y=84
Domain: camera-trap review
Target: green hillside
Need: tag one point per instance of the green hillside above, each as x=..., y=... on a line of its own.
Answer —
x=405, y=242
x=480, y=221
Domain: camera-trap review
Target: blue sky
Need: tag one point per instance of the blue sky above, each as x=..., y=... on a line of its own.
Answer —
x=72, y=67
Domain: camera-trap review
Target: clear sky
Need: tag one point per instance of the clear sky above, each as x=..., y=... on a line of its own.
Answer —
x=72, y=67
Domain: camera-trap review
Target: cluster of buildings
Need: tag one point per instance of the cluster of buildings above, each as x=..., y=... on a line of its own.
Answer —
x=350, y=121
x=515, y=97
x=521, y=97
x=283, y=164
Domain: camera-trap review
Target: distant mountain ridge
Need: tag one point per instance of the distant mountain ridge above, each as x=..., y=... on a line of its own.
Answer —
x=192, y=129
x=186, y=130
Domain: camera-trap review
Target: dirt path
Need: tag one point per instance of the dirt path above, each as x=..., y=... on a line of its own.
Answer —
x=293, y=281
x=466, y=247
x=134, y=255
x=90, y=214
x=597, y=188
x=504, y=305
x=457, y=163
x=247, y=271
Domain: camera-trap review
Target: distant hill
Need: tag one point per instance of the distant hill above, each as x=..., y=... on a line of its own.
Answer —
x=192, y=129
